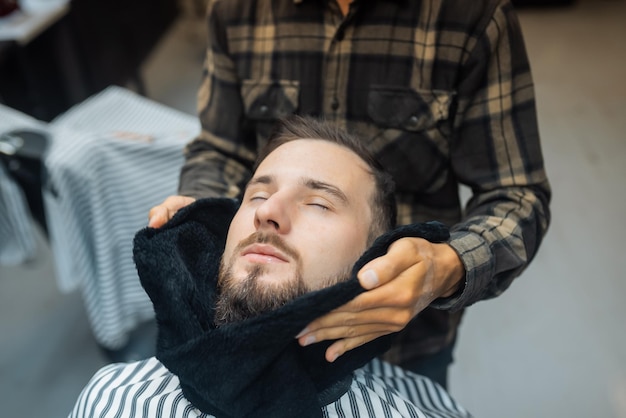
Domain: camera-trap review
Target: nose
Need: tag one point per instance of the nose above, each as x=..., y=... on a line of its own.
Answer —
x=273, y=214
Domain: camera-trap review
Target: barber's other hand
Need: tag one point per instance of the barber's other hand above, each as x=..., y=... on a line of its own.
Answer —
x=400, y=284
x=160, y=214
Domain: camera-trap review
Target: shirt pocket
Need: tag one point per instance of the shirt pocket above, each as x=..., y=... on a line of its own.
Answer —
x=412, y=135
x=267, y=101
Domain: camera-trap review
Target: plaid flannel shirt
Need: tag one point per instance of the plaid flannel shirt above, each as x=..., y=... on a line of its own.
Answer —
x=439, y=90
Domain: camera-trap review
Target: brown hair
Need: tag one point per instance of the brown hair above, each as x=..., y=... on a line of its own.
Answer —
x=297, y=127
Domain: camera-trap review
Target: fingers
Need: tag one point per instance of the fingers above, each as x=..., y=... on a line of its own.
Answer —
x=347, y=325
x=394, y=303
x=160, y=214
x=353, y=329
x=380, y=311
x=401, y=256
x=157, y=217
x=398, y=287
x=385, y=297
x=362, y=335
x=339, y=348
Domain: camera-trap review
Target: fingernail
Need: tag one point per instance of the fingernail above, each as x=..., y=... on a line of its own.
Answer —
x=301, y=333
x=308, y=340
x=369, y=279
x=333, y=357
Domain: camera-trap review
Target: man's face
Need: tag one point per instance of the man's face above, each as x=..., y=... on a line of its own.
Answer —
x=303, y=222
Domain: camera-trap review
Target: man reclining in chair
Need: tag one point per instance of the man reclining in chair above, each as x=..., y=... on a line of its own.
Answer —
x=233, y=284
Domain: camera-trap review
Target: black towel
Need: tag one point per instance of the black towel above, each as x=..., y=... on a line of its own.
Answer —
x=253, y=368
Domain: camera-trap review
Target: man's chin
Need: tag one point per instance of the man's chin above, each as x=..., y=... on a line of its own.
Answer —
x=253, y=292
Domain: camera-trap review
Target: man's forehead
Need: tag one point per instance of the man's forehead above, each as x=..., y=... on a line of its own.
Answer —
x=315, y=160
x=306, y=147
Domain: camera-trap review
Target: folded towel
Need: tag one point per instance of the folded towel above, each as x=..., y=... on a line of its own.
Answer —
x=252, y=368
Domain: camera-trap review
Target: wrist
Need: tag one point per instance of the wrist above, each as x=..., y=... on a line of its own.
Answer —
x=454, y=270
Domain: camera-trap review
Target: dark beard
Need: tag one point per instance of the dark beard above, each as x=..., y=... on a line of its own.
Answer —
x=238, y=301
x=248, y=298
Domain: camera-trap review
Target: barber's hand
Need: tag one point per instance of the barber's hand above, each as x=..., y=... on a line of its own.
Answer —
x=159, y=215
x=400, y=284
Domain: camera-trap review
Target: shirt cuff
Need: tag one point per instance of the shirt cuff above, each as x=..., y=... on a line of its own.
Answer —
x=476, y=256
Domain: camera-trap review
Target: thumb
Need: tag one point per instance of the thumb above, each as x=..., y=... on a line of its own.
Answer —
x=386, y=267
x=368, y=278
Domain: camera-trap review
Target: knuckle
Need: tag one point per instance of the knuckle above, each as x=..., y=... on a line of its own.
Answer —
x=351, y=332
x=409, y=244
x=398, y=328
x=356, y=305
x=401, y=318
x=351, y=344
x=405, y=298
x=349, y=320
x=385, y=265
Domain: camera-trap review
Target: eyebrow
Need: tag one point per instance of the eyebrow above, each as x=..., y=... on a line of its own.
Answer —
x=308, y=183
x=259, y=180
x=325, y=187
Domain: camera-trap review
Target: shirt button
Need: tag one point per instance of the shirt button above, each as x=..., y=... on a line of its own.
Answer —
x=413, y=120
x=334, y=105
x=264, y=109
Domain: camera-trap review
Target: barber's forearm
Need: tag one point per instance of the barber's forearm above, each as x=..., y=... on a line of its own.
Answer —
x=198, y=181
x=497, y=242
x=218, y=161
x=208, y=172
x=453, y=270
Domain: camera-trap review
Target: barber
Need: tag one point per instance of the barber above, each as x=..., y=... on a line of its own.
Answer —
x=442, y=93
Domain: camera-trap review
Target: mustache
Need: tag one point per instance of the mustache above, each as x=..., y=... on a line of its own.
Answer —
x=260, y=237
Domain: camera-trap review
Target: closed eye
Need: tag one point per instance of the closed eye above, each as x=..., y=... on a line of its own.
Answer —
x=257, y=198
x=318, y=205
x=256, y=195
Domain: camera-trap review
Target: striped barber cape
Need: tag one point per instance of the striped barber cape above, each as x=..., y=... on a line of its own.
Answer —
x=147, y=389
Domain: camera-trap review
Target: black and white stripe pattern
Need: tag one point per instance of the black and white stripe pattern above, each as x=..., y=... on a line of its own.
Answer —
x=419, y=390
x=148, y=389
x=17, y=242
x=112, y=158
x=17, y=235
